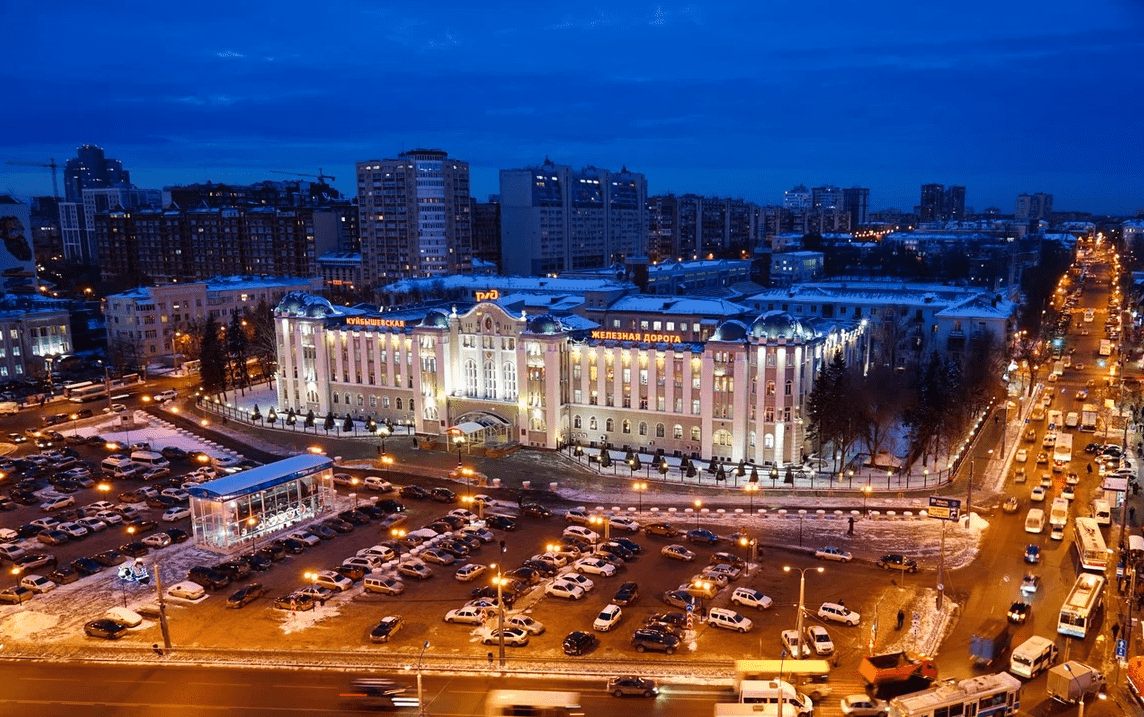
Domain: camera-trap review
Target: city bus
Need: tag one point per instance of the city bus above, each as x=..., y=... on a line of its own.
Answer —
x=1081, y=606
x=1090, y=545
x=995, y=695
x=70, y=387
x=94, y=392
x=533, y=703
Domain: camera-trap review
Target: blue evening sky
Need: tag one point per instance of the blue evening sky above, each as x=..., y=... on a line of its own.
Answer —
x=731, y=98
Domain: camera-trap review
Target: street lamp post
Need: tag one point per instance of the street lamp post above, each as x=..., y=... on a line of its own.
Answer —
x=751, y=489
x=420, y=695
x=801, y=601
x=698, y=505
x=383, y=433
x=639, y=487
x=500, y=581
x=312, y=576
x=748, y=545
x=866, y=490
x=387, y=461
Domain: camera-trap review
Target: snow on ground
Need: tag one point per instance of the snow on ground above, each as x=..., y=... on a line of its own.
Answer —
x=301, y=620
x=25, y=624
x=147, y=428
x=925, y=626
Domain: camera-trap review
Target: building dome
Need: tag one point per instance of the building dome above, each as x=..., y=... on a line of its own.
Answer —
x=730, y=331
x=779, y=325
x=436, y=319
x=544, y=324
x=291, y=303
x=318, y=308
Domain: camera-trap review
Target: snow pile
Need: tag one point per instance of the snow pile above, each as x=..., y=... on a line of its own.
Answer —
x=296, y=621
x=925, y=625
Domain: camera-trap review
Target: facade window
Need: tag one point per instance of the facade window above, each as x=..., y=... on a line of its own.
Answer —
x=373, y=401
x=490, y=380
x=610, y=426
x=770, y=358
x=398, y=404
x=768, y=440
x=510, y=380
x=347, y=398
x=576, y=422
x=592, y=425
x=770, y=388
x=722, y=438
x=627, y=426
x=789, y=385
x=695, y=407
x=659, y=431
x=470, y=378
x=696, y=434
x=677, y=432
x=643, y=428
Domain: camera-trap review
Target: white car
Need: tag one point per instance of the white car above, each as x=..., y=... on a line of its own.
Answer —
x=176, y=513
x=838, y=613
x=485, y=501
x=380, y=551
x=187, y=590
x=583, y=582
x=102, y=505
x=677, y=552
x=1022, y=456
x=37, y=583
x=749, y=597
x=63, y=501
x=553, y=559
x=594, y=566
x=1038, y=494
x=526, y=623
x=157, y=540
x=130, y=618
x=156, y=473
x=165, y=395
x=608, y=618
x=95, y=525
x=513, y=637
x=622, y=523
x=464, y=514
x=564, y=589
x=832, y=553
x=579, y=531
x=863, y=706
x=307, y=538
x=728, y=619
x=790, y=643
x=46, y=523
x=481, y=534
x=74, y=530
x=469, y=572
x=110, y=517
x=721, y=580
x=376, y=483
x=367, y=562
x=176, y=493
x=469, y=615
x=820, y=641
x=333, y=581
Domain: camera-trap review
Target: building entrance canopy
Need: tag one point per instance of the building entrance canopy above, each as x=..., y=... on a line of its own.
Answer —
x=479, y=428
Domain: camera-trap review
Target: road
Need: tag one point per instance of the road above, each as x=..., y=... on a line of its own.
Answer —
x=95, y=690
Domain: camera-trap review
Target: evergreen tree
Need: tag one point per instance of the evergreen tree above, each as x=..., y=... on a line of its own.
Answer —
x=212, y=370
x=271, y=416
x=237, y=349
x=348, y=426
x=309, y=419
x=263, y=341
x=291, y=417
x=330, y=421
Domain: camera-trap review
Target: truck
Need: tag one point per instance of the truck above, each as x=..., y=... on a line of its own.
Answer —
x=1136, y=679
x=9, y=407
x=989, y=642
x=1071, y=681
x=891, y=667
x=1062, y=452
x=1105, y=347
x=1088, y=417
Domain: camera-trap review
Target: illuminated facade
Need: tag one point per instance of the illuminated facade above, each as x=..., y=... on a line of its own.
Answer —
x=240, y=509
x=549, y=381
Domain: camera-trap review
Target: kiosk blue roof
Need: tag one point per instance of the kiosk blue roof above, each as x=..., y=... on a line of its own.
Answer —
x=261, y=478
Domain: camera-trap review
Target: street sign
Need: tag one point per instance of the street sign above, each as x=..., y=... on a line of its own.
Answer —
x=1121, y=649
x=944, y=508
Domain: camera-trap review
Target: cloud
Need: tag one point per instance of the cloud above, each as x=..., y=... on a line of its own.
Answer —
x=229, y=54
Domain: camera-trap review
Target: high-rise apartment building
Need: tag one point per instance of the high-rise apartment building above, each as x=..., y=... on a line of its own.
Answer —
x=1033, y=206
x=90, y=169
x=856, y=202
x=555, y=218
x=826, y=197
x=691, y=226
x=414, y=216
x=933, y=200
x=91, y=181
x=797, y=199
x=487, y=231
x=953, y=203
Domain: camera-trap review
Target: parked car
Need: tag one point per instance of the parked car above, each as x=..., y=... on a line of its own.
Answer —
x=208, y=577
x=897, y=561
x=627, y=594
x=749, y=597
x=702, y=536
x=837, y=612
x=677, y=552
x=681, y=599
x=500, y=522
x=443, y=495
x=386, y=629
x=831, y=552
x=105, y=628
x=608, y=618
x=15, y=595
x=644, y=639
x=513, y=637
x=564, y=589
x=579, y=643
x=246, y=595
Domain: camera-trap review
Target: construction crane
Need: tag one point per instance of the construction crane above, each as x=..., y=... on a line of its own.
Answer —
x=321, y=176
x=53, y=166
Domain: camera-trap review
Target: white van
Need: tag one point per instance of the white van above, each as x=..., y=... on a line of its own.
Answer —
x=120, y=467
x=1072, y=420
x=1035, y=521
x=151, y=459
x=9, y=407
x=1033, y=656
x=771, y=692
x=1101, y=513
x=1056, y=418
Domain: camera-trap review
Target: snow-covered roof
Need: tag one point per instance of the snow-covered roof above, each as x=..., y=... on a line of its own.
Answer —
x=556, y=304
x=261, y=478
x=504, y=283
x=675, y=306
x=980, y=307
x=870, y=293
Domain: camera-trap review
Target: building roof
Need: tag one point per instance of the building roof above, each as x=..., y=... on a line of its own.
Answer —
x=261, y=478
x=533, y=284
x=677, y=306
x=224, y=283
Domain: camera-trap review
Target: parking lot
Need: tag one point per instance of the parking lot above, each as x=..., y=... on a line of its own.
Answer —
x=346, y=619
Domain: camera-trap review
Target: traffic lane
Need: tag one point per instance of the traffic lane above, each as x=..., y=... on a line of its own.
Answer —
x=162, y=690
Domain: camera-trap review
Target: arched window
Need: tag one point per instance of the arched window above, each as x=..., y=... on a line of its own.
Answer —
x=336, y=397
x=399, y=404
x=347, y=398
x=659, y=432
x=536, y=424
x=431, y=413
x=576, y=422
x=592, y=425
x=627, y=426
x=751, y=439
x=490, y=380
x=789, y=385
x=643, y=428
x=770, y=388
x=610, y=426
x=768, y=440
x=510, y=380
x=696, y=434
x=677, y=432
x=470, y=378
x=722, y=437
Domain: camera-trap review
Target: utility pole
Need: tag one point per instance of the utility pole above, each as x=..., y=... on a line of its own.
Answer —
x=162, y=610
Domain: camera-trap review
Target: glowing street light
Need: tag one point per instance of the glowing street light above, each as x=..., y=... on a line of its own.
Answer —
x=801, y=601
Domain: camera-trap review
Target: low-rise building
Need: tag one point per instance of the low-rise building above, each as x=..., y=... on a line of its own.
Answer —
x=34, y=333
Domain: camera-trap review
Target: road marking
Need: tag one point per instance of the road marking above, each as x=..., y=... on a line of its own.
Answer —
x=221, y=684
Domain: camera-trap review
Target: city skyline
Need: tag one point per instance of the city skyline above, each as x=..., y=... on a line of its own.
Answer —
x=889, y=98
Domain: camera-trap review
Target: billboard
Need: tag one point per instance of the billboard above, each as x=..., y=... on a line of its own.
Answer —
x=17, y=261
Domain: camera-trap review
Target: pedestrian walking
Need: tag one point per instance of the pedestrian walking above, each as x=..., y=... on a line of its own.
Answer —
x=1132, y=514
x=901, y=619
x=1115, y=630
